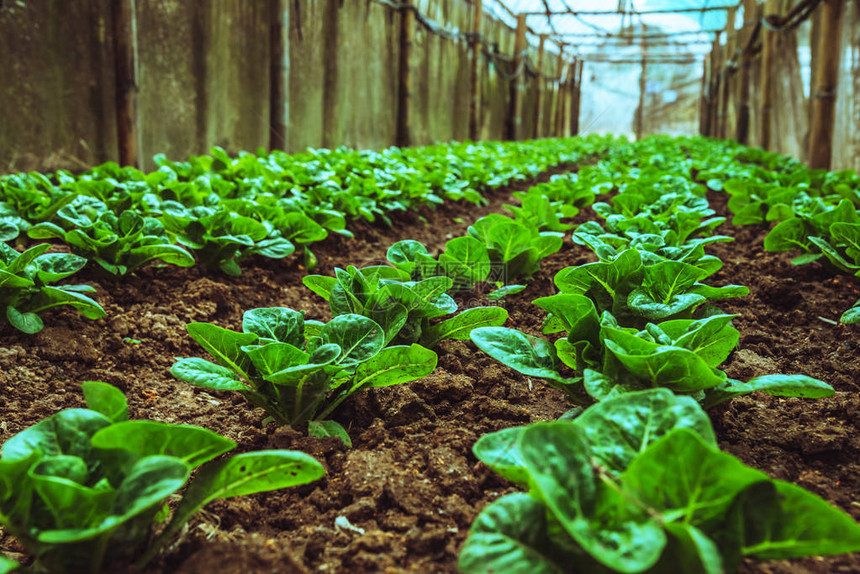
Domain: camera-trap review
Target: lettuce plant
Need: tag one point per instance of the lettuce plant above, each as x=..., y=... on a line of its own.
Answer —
x=87, y=487
x=637, y=484
x=515, y=248
x=636, y=293
x=607, y=360
x=119, y=245
x=221, y=238
x=403, y=308
x=26, y=290
x=297, y=370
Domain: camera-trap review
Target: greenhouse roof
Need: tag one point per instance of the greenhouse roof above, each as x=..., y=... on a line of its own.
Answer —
x=585, y=26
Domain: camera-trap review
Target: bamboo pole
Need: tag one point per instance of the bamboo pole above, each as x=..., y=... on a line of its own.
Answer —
x=404, y=99
x=771, y=8
x=726, y=92
x=826, y=84
x=577, y=98
x=742, y=131
x=559, y=98
x=716, y=77
x=475, y=83
x=279, y=73
x=515, y=118
x=703, y=102
x=538, y=127
x=125, y=47
x=640, y=111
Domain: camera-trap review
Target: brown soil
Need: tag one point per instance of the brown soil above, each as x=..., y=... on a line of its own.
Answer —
x=410, y=487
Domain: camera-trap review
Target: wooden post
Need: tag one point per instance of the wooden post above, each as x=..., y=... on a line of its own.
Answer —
x=703, y=104
x=640, y=111
x=716, y=76
x=404, y=99
x=826, y=84
x=538, y=129
x=577, y=99
x=279, y=73
x=515, y=118
x=475, y=83
x=125, y=47
x=726, y=91
x=559, y=98
x=570, y=122
x=771, y=8
x=742, y=130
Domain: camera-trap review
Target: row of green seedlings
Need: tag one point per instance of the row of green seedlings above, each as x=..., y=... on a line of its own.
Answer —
x=225, y=209
x=386, y=321
x=87, y=488
x=635, y=482
x=222, y=210
x=817, y=213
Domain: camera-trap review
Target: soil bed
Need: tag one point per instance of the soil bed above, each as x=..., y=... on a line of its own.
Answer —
x=410, y=487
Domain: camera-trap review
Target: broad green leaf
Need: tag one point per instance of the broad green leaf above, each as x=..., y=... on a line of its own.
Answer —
x=223, y=344
x=621, y=428
x=322, y=429
x=359, y=338
x=797, y=523
x=687, y=479
x=320, y=284
x=395, y=365
x=776, y=385
x=208, y=375
x=558, y=461
x=511, y=536
x=500, y=451
x=459, y=326
x=275, y=323
x=529, y=355
x=248, y=473
x=194, y=445
x=105, y=399
x=25, y=322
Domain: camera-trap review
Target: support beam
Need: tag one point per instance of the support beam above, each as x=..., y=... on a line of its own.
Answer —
x=404, y=95
x=725, y=88
x=714, y=90
x=826, y=84
x=125, y=47
x=640, y=111
x=279, y=73
x=515, y=117
x=703, y=100
x=771, y=8
x=559, y=96
x=538, y=127
x=475, y=73
x=577, y=98
x=742, y=129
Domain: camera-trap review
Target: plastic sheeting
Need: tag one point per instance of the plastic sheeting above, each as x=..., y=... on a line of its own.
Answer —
x=846, y=144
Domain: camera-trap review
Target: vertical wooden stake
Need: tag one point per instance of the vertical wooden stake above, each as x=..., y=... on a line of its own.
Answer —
x=703, y=103
x=475, y=82
x=125, y=46
x=572, y=97
x=716, y=76
x=742, y=130
x=826, y=84
x=577, y=98
x=559, y=97
x=771, y=8
x=640, y=111
x=279, y=73
x=515, y=118
x=726, y=92
x=538, y=128
x=404, y=99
